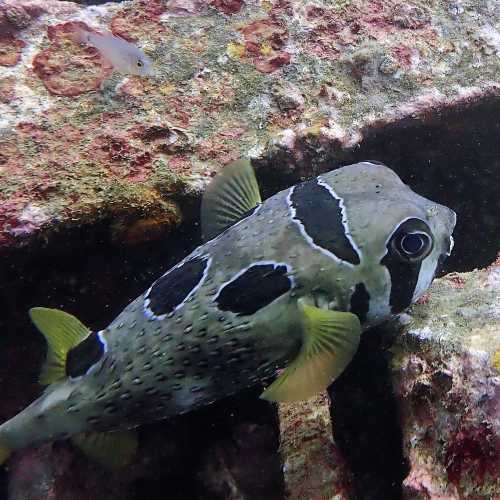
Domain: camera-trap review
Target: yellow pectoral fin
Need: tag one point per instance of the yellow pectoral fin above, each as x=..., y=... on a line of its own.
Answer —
x=62, y=332
x=112, y=450
x=331, y=339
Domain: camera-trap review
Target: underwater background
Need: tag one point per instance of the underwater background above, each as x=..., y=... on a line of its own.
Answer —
x=101, y=176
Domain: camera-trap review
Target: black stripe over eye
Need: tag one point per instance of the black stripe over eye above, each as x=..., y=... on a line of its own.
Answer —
x=410, y=243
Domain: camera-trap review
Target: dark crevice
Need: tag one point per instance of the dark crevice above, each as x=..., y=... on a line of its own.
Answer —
x=238, y=435
x=365, y=420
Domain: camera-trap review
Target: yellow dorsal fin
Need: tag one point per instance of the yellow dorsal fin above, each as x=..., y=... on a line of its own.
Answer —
x=231, y=195
x=331, y=339
x=62, y=332
x=112, y=450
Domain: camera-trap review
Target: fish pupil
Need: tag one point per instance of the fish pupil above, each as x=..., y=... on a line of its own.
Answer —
x=413, y=243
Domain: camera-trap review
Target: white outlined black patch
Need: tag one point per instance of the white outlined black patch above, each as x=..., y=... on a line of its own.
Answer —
x=254, y=287
x=173, y=289
x=321, y=218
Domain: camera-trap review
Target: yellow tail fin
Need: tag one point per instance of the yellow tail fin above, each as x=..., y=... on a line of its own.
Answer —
x=62, y=332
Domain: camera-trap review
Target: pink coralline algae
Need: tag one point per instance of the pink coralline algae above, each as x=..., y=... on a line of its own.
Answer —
x=403, y=54
x=10, y=50
x=66, y=68
x=264, y=41
x=17, y=17
x=122, y=158
x=144, y=16
x=335, y=31
x=228, y=6
x=475, y=450
x=216, y=148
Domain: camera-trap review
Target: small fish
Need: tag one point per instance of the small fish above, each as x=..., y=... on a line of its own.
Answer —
x=286, y=284
x=124, y=56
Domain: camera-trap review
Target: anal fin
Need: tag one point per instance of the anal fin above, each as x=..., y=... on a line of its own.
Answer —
x=331, y=339
x=113, y=450
x=62, y=332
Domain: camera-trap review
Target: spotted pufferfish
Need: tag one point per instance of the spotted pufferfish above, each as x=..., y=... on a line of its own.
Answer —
x=289, y=283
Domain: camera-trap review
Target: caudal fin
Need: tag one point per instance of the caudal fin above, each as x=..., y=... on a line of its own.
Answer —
x=62, y=332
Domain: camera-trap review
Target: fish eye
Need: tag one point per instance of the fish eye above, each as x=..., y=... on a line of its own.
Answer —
x=414, y=245
x=140, y=64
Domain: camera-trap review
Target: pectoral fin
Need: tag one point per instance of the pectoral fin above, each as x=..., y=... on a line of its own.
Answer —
x=231, y=195
x=331, y=339
x=62, y=332
x=112, y=450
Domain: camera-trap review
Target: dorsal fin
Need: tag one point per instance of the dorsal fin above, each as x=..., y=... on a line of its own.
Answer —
x=231, y=195
x=331, y=339
x=62, y=332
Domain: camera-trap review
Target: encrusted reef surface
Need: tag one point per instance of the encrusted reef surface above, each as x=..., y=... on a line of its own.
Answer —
x=446, y=375
x=313, y=466
x=304, y=82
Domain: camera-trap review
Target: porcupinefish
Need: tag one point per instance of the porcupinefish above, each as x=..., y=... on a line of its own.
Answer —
x=286, y=284
x=125, y=57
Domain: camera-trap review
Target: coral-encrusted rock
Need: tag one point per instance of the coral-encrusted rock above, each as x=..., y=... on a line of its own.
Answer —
x=446, y=370
x=66, y=68
x=313, y=466
x=305, y=84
